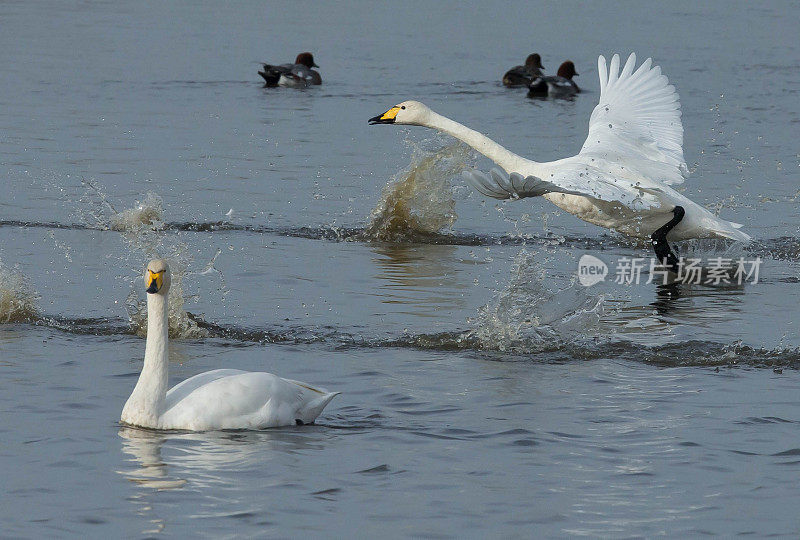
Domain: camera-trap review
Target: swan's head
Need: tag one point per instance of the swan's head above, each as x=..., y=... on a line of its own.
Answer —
x=407, y=112
x=156, y=277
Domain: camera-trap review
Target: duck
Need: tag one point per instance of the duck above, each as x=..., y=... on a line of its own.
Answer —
x=624, y=176
x=561, y=85
x=214, y=400
x=297, y=75
x=524, y=75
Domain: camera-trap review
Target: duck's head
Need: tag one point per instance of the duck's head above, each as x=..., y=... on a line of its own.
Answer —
x=407, y=112
x=567, y=70
x=534, y=61
x=305, y=58
x=156, y=277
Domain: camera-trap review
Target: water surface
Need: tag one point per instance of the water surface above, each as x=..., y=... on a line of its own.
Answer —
x=484, y=392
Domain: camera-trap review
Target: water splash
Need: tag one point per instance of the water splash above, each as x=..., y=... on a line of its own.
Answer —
x=533, y=313
x=181, y=323
x=153, y=244
x=419, y=200
x=148, y=213
x=705, y=249
x=17, y=297
x=142, y=227
x=96, y=211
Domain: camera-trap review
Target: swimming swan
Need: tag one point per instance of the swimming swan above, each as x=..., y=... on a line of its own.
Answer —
x=219, y=399
x=623, y=176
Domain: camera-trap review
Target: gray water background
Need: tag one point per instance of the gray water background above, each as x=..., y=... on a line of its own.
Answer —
x=483, y=393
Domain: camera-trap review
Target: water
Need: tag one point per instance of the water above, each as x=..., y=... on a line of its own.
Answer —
x=484, y=391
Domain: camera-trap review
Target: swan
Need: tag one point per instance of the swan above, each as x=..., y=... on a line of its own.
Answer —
x=524, y=75
x=297, y=75
x=561, y=85
x=219, y=399
x=623, y=177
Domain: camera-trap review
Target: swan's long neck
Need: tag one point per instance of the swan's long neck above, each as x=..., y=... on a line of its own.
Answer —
x=505, y=158
x=146, y=403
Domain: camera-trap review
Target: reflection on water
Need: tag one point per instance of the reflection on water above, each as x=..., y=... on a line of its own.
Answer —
x=698, y=304
x=425, y=276
x=150, y=471
x=207, y=463
x=665, y=309
x=173, y=459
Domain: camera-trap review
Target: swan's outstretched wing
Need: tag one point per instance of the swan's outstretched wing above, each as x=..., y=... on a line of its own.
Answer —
x=573, y=179
x=638, y=120
x=499, y=185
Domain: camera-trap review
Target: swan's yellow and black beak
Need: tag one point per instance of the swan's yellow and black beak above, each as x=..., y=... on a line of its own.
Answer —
x=156, y=280
x=385, y=118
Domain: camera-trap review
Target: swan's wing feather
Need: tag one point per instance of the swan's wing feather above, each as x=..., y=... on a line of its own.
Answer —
x=184, y=388
x=580, y=179
x=483, y=183
x=638, y=119
x=571, y=178
x=502, y=180
x=500, y=185
x=233, y=399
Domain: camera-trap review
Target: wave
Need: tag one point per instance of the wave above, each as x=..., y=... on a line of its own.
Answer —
x=534, y=318
x=783, y=248
x=535, y=346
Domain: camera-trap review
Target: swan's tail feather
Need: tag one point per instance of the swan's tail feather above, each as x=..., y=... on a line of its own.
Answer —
x=722, y=228
x=309, y=411
x=728, y=229
x=500, y=185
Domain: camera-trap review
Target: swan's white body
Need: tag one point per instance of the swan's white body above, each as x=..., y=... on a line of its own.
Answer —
x=219, y=399
x=622, y=177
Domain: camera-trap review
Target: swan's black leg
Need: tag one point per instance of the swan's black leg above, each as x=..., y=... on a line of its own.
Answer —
x=659, y=239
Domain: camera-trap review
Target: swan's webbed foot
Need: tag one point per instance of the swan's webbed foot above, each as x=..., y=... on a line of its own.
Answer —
x=659, y=240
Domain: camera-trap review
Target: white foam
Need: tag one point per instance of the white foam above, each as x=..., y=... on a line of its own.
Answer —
x=533, y=312
x=147, y=213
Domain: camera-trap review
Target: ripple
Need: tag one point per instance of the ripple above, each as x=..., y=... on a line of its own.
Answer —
x=686, y=353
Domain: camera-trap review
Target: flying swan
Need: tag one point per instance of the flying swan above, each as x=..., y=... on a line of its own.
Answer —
x=623, y=177
x=219, y=399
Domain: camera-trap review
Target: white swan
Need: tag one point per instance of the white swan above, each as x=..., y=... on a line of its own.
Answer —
x=622, y=177
x=219, y=399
